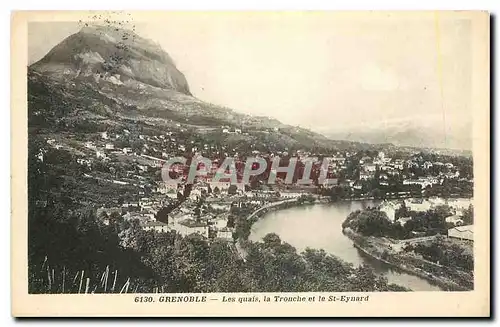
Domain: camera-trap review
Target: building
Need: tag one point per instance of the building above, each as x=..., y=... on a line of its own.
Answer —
x=462, y=232
x=422, y=181
x=221, y=186
x=417, y=204
x=390, y=208
x=171, y=193
x=403, y=220
x=221, y=206
x=225, y=233
x=156, y=226
x=90, y=145
x=195, y=194
x=164, y=187
x=100, y=154
x=220, y=223
x=459, y=204
x=190, y=226
x=370, y=167
x=427, y=165
x=455, y=220
x=290, y=195
x=363, y=175
x=436, y=201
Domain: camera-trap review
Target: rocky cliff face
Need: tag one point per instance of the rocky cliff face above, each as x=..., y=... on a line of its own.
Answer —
x=114, y=55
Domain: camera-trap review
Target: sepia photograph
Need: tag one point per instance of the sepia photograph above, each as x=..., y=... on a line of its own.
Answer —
x=210, y=157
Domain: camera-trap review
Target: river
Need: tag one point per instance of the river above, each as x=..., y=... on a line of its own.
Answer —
x=319, y=226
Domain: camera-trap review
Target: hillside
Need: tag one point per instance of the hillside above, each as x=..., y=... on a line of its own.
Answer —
x=110, y=76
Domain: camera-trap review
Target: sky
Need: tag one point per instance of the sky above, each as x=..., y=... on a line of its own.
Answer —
x=324, y=71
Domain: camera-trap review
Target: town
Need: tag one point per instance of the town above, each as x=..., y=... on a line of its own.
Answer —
x=206, y=207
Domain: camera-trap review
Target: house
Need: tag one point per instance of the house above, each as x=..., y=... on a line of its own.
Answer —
x=225, y=233
x=365, y=159
x=82, y=161
x=427, y=164
x=90, y=145
x=104, y=135
x=370, y=167
x=156, y=226
x=436, y=201
x=100, y=155
x=222, y=186
x=462, y=232
x=403, y=220
x=422, y=181
x=221, y=206
x=220, y=223
x=142, y=167
x=127, y=150
x=417, y=204
x=398, y=164
x=363, y=175
x=190, y=226
x=290, y=195
x=455, y=220
x=109, y=146
x=389, y=208
x=459, y=204
x=195, y=194
x=164, y=187
x=131, y=205
x=171, y=193
x=40, y=155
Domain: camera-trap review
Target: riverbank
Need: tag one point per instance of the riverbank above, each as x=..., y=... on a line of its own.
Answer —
x=381, y=249
x=240, y=243
x=285, y=204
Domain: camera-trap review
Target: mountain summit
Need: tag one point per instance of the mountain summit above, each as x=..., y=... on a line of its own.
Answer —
x=114, y=54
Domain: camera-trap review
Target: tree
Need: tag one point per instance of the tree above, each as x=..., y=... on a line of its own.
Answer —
x=162, y=214
x=468, y=215
x=232, y=189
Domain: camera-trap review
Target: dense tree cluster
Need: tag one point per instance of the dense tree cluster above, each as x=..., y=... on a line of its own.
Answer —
x=372, y=222
x=443, y=254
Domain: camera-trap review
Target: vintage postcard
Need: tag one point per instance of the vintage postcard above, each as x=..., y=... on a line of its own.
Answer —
x=250, y=164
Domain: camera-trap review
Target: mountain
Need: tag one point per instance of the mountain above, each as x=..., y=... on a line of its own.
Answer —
x=421, y=132
x=115, y=55
x=103, y=78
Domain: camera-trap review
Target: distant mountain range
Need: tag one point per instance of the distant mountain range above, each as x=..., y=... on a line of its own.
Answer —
x=422, y=132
